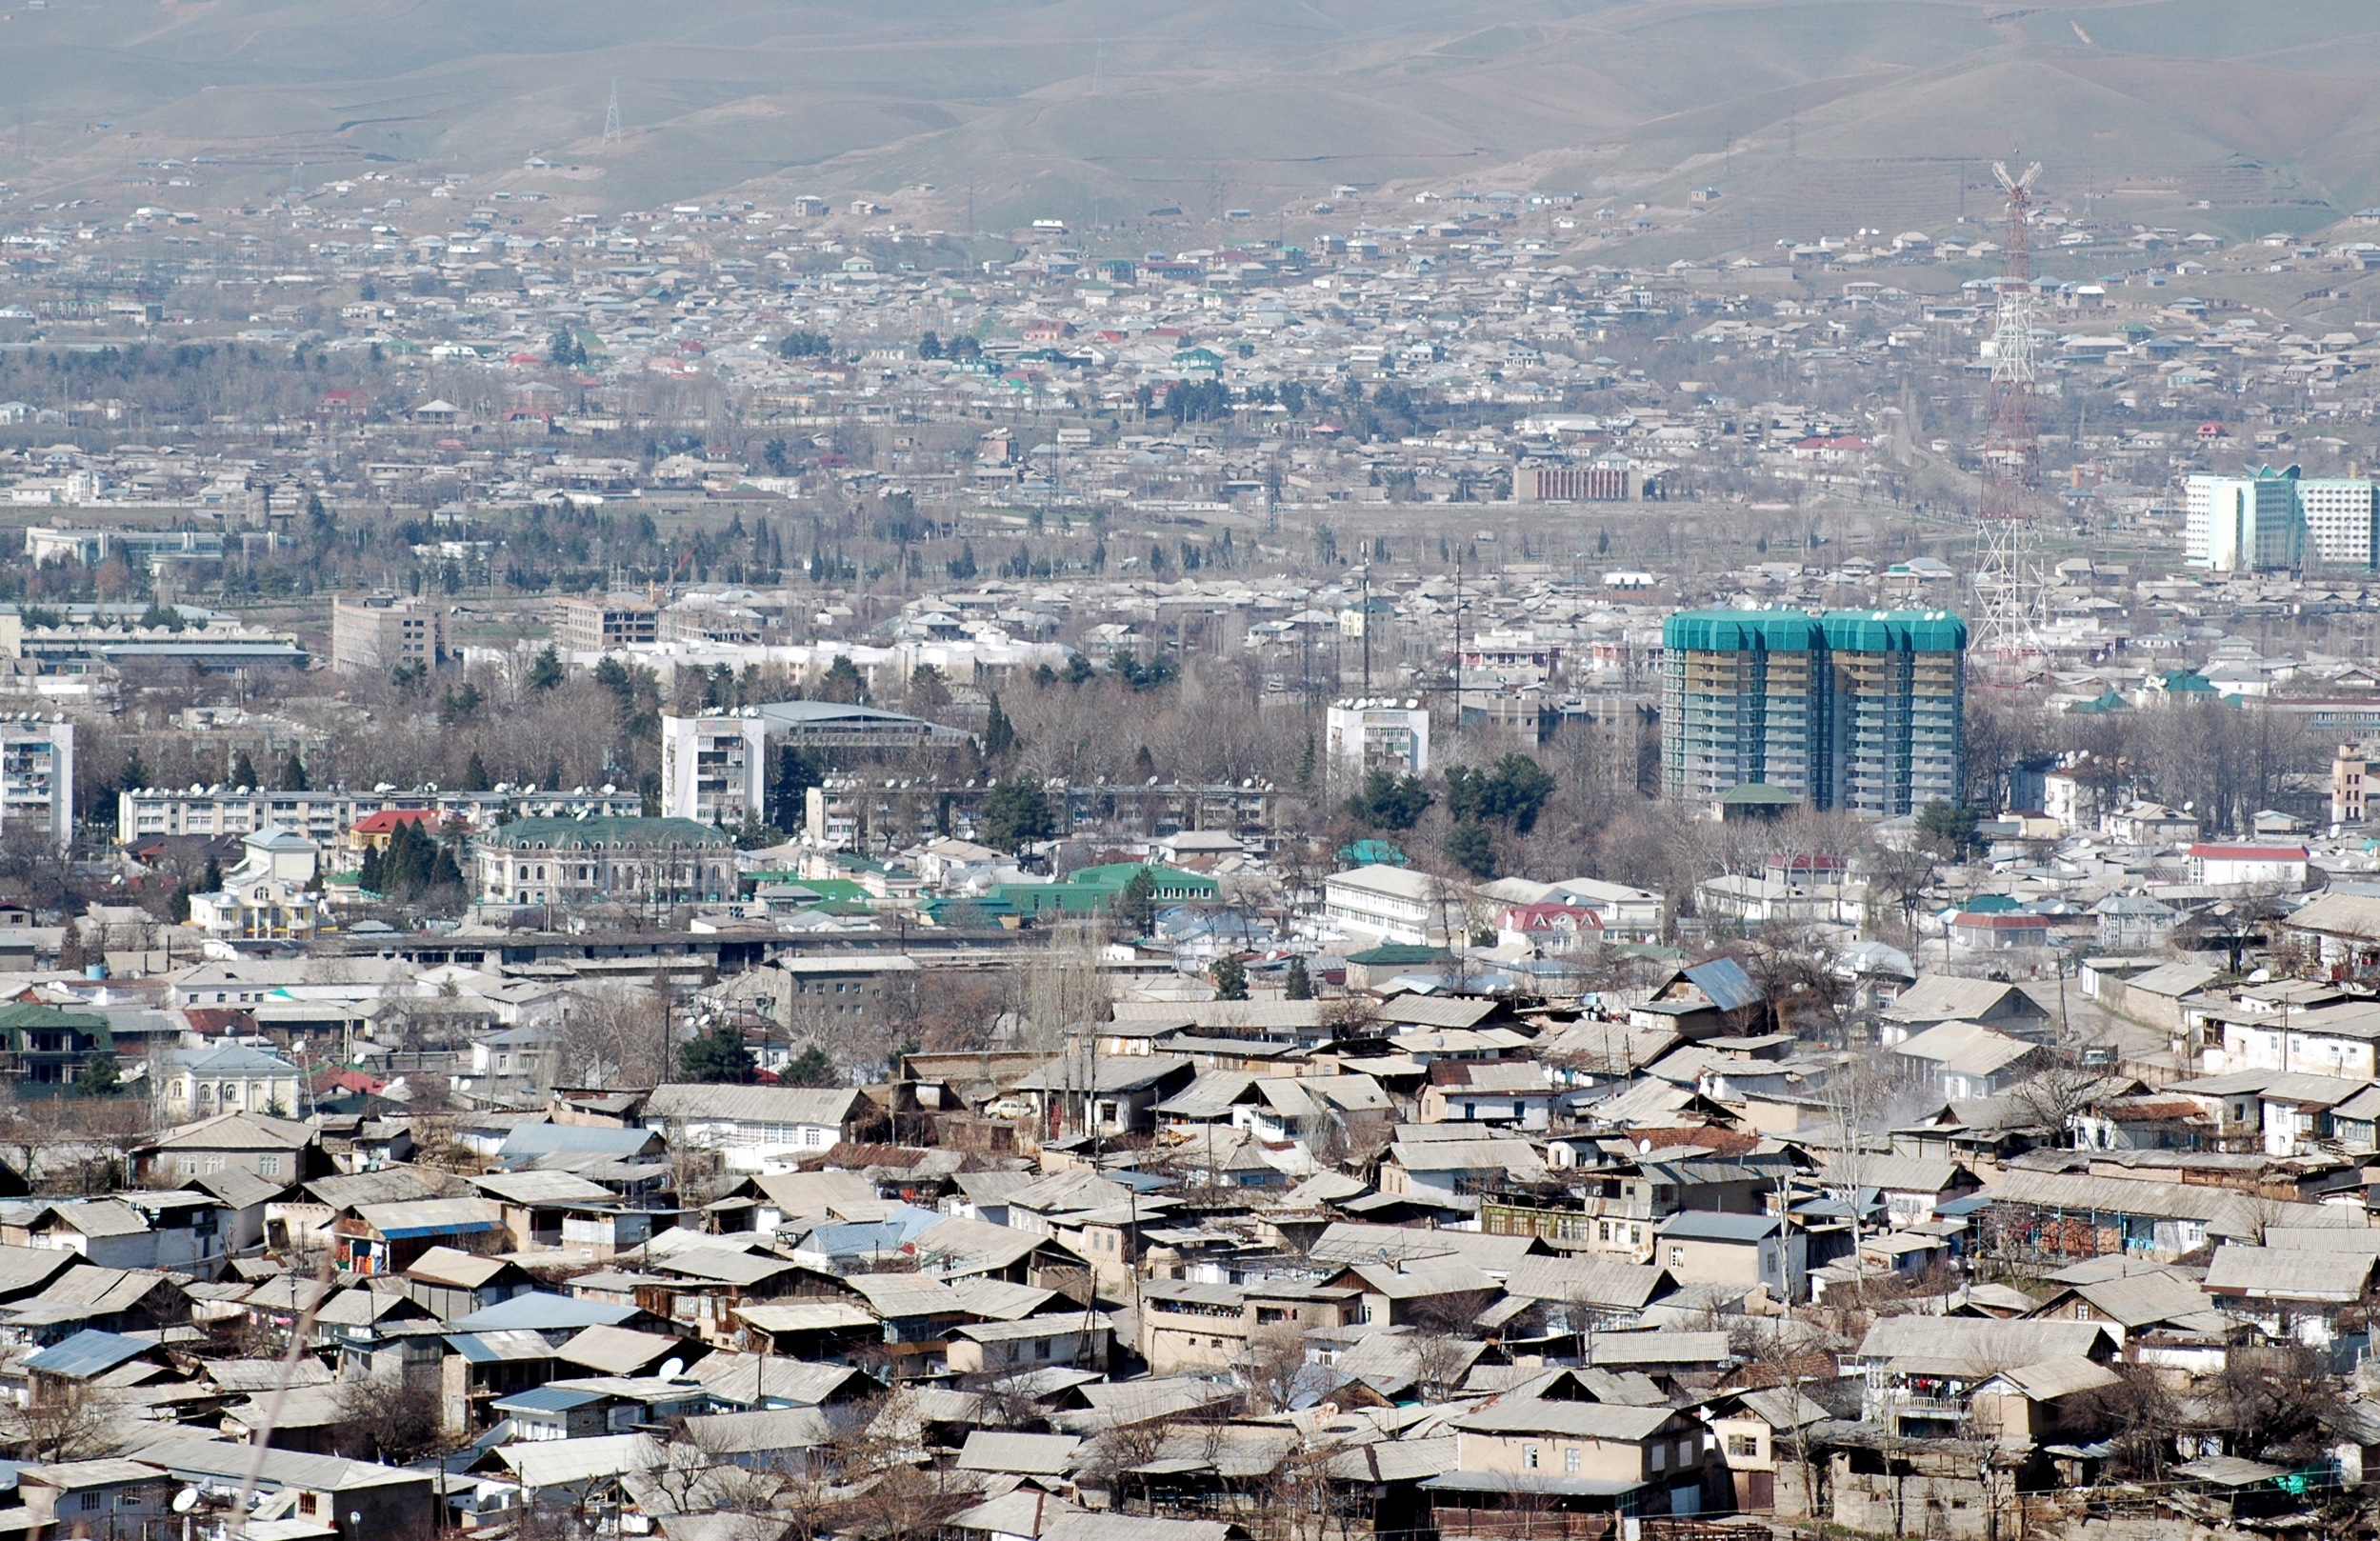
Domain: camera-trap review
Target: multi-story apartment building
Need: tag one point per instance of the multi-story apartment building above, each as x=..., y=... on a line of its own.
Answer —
x=326, y=815
x=1860, y=710
x=1744, y=700
x=2341, y=520
x=600, y=623
x=1376, y=734
x=717, y=769
x=383, y=633
x=37, y=776
x=593, y=860
x=2244, y=524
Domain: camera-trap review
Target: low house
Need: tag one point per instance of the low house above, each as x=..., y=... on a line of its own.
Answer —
x=386, y=1238
x=2290, y=1291
x=1514, y=1092
x=750, y=1126
x=1436, y=1292
x=1075, y=1338
x=1969, y=1059
x=1101, y=1094
x=1938, y=998
x=278, y=1150
x=1703, y=1247
x=1922, y=1372
x=1636, y=1459
x=1762, y=1439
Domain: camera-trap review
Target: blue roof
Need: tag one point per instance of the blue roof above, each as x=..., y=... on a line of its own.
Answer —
x=540, y=1311
x=1724, y=980
x=544, y=1399
x=895, y=1231
x=1708, y=1225
x=87, y=1354
x=593, y=1139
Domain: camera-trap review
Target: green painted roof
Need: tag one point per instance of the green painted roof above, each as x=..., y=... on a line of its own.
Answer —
x=1740, y=631
x=1794, y=631
x=585, y=835
x=1757, y=794
x=1120, y=875
x=1396, y=955
x=1894, y=630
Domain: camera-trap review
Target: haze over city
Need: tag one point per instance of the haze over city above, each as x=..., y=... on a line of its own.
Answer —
x=1213, y=772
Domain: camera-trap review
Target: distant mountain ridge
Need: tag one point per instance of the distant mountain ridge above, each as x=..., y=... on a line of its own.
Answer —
x=1798, y=111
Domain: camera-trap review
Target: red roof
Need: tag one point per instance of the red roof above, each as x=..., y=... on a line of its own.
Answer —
x=208, y=1020
x=2250, y=854
x=388, y=820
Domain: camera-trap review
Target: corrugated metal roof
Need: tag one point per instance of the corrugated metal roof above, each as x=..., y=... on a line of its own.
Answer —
x=88, y=1353
x=995, y=1449
x=2287, y=1274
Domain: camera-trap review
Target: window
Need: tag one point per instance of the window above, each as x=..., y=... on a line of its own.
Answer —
x=1569, y=1459
x=1528, y=1457
x=1520, y=1109
x=268, y=1166
x=1747, y=1445
x=1657, y=1456
x=91, y=1500
x=1677, y=1257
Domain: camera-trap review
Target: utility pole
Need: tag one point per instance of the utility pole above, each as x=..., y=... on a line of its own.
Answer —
x=1458, y=646
x=1363, y=628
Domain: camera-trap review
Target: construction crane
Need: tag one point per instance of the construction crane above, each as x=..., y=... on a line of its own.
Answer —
x=653, y=594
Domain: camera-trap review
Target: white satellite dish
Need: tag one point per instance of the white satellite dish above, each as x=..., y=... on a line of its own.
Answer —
x=672, y=1368
x=186, y=1500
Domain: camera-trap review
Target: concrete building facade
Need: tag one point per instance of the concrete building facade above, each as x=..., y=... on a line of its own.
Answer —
x=384, y=632
x=1860, y=710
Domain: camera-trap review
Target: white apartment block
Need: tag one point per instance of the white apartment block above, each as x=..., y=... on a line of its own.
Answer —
x=1377, y=733
x=1392, y=904
x=37, y=776
x=2341, y=519
x=2244, y=524
x=326, y=816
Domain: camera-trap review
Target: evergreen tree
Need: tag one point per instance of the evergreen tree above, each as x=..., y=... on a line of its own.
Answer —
x=1388, y=801
x=1511, y=795
x=717, y=1057
x=211, y=881
x=545, y=670
x=292, y=773
x=1137, y=907
x=809, y=1067
x=475, y=775
x=244, y=771
x=843, y=683
x=1016, y=813
x=1230, y=978
x=1472, y=849
x=101, y=1076
x=999, y=733
x=1297, y=984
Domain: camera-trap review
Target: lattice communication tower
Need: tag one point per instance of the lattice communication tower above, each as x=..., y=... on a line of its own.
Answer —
x=2008, y=578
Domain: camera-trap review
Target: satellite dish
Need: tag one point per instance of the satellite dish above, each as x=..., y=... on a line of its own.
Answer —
x=186, y=1500
x=672, y=1368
